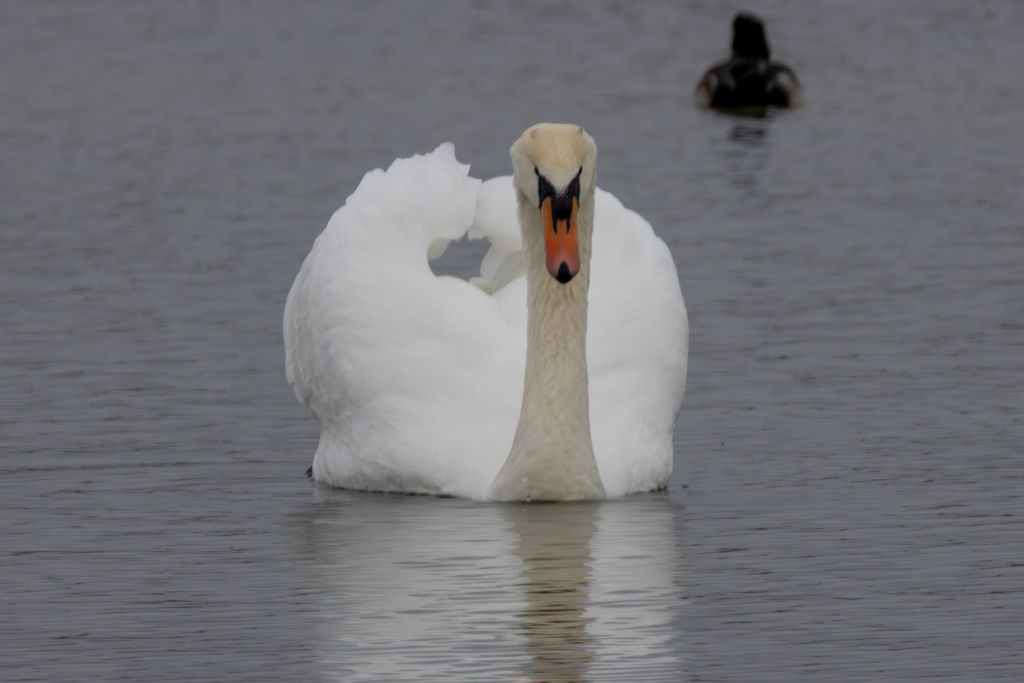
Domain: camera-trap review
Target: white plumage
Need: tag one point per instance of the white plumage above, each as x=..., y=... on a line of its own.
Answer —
x=417, y=379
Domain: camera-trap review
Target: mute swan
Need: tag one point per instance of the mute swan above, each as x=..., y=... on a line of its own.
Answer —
x=428, y=384
x=749, y=78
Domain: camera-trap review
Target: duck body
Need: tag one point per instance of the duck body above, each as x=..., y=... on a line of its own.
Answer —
x=417, y=380
x=749, y=78
x=743, y=82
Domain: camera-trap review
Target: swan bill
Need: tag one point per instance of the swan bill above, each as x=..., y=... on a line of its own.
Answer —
x=561, y=237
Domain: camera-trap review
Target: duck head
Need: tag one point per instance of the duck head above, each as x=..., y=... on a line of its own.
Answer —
x=748, y=37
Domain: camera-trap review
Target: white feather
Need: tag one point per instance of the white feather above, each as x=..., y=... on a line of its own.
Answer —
x=417, y=380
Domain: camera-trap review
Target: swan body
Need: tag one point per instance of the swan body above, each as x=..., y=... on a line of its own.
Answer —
x=432, y=384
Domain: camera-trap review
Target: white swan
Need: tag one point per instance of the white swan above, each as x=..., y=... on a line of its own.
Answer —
x=427, y=384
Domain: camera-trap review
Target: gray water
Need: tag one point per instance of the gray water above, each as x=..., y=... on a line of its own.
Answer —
x=847, y=496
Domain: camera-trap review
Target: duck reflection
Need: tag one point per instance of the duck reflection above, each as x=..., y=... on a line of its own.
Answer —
x=746, y=151
x=422, y=589
x=748, y=135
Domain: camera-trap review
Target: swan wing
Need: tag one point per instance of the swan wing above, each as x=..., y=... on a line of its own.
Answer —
x=416, y=379
x=637, y=344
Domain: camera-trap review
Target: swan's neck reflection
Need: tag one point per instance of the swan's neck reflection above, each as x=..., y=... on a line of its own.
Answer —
x=420, y=589
x=554, y=547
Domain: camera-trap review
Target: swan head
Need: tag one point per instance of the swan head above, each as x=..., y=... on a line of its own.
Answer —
x=553, y=166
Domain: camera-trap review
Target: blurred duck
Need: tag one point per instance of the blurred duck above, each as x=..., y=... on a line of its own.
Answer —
x=749, y=78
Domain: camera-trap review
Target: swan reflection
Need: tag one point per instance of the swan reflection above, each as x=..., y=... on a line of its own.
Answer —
x=553, y=545
x=417, y=589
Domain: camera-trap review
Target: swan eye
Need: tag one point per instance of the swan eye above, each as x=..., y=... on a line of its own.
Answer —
x=574, y=186
x=544, y=188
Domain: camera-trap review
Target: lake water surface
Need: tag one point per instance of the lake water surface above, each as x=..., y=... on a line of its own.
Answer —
x=847, y=497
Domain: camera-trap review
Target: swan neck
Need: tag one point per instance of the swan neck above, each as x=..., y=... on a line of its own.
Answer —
x=552, y=456
x=556, y=344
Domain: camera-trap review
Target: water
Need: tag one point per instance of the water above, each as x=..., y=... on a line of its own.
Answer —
x=847, y=497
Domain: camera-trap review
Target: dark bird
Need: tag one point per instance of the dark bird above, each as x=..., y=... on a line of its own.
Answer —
x=749, y=79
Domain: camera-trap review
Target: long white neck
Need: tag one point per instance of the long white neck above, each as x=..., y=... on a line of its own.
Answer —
x=552, y=456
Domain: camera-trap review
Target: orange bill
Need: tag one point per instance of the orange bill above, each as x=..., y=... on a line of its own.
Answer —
x=561, y=244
